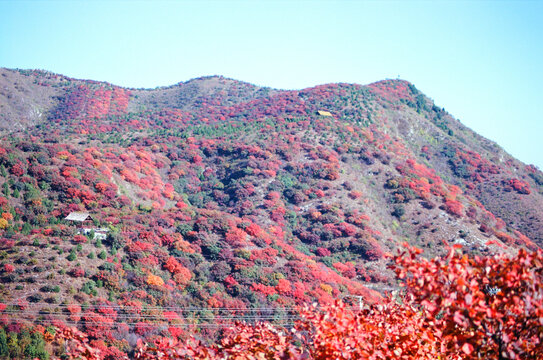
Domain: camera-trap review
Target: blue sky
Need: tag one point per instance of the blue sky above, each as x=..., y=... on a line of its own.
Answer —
x=481, y=60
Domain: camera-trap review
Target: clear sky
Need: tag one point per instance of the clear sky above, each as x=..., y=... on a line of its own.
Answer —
x=481, y=60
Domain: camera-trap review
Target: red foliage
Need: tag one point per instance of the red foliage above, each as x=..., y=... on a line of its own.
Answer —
x=505, y=238
x=323, y=252
x=80, y=239
x=182, y=277
x=173, y=265
x=355, y=194
x=254, y=230
x=283, y=286
x=17, y=169
x=264, y=289
x=522, y=187
x=480, y=307
x=138, y=246
x=267, y=255
x=75, y=312
x=229, y=281
x=236, y=237
x=7, y=243
x=454, y=207
x=77, y=272
x=8, y=268
x=388, y=331
x=472, y=308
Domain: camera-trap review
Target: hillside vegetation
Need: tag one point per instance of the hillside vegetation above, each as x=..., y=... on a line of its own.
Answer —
x=213, y=201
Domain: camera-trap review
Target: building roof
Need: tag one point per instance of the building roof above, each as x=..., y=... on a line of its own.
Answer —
x=324, y=113
x=78, y=216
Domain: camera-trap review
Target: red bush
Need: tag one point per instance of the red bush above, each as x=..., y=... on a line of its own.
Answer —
x=80, y=239
x=454, y=207
x=520, y=186
x=8, y=268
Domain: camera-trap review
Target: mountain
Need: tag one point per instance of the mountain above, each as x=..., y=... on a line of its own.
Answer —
x=213, y=195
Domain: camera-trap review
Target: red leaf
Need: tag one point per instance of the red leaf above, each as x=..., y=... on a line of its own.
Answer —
x=467, y=348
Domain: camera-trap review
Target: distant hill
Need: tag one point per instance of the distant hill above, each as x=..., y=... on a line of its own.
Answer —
x=216, y=194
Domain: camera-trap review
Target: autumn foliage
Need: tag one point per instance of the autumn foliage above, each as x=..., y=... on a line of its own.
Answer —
x=455, y=307
x=489, y=307
x=248, y=203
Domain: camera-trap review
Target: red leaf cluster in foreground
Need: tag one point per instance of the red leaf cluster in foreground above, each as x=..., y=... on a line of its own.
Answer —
x=490, y=306
x=456, y=307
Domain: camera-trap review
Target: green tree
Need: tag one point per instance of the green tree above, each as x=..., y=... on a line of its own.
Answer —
x=4, y=350
x=72, y=256
x=36, y=347
x=399, y=211
x=27, y=228
x=13, y=346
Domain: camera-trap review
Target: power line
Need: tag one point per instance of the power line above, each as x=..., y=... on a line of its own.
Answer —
x=98, y=321
x=154, y=307
x=157, y=317
x=150, y=325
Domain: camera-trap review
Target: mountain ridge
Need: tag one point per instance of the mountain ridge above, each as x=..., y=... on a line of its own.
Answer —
x=196, y=93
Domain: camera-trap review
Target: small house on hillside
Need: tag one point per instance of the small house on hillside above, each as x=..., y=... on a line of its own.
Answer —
x=85, y=225
x=80, y=217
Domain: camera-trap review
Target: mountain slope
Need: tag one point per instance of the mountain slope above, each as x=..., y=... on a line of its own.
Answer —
x=220, y=195
x=24, y=102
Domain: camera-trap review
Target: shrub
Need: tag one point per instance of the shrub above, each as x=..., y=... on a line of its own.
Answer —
x=398, y=211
